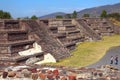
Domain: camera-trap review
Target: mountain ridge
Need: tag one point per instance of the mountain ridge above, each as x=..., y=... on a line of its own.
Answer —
x=96, y=11
x=93, y=12
x=53, y=15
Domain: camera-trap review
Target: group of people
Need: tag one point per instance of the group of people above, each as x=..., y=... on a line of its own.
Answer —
x=114, y=60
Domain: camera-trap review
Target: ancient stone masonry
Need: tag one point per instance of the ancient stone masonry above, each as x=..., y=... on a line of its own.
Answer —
x=67, y=33
x=54, y=36
x=13, y=39
x=86, y=30
x=48, y=42
x=100, y=26
x=71, y=31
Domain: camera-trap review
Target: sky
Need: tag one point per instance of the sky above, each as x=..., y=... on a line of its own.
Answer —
x=27, y=8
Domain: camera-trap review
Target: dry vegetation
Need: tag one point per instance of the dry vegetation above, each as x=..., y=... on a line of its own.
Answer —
x=89, y=52
x=116, y=22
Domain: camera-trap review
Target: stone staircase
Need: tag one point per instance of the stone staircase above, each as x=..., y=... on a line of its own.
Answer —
x=49, y=43
x=101, y=26
x=66, y=32
x=13, y=40
x=88, y=31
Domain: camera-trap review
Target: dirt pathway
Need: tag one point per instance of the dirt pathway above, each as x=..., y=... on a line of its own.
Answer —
x=114, y=51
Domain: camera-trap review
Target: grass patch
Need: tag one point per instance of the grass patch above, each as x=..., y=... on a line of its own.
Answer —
x=90, y=52
x=115, y=22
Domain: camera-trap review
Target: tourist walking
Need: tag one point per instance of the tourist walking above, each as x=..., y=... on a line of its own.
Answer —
x=111, y=60
x=116, y=60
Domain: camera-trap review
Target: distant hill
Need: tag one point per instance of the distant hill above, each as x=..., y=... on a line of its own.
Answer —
x=94, y=12
x=53, y=15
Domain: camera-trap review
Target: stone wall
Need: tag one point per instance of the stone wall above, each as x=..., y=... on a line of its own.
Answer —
x=14, y=38
x=100, y=25
x=55, y=36
x=17, y=36
x=4, y=49
x=1, y=24
x=59, y=22
x=3, y=37
x=15, y=48
x=66, y=32
x=13, y=24
x=46, y=40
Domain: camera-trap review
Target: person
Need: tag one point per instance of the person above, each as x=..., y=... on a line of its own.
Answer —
x=111, y=60
x=116, y=60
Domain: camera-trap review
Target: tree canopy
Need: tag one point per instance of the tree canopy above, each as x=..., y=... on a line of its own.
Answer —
x=114, y=15
x=103, y=14
x=5, y=15
x=34, y=17
x=68, y=16
x=59, y=16
x=110, y=15
x=74, y=15
x=86, y=15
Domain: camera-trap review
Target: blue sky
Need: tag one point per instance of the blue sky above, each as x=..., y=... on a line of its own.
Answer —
x=23, y=8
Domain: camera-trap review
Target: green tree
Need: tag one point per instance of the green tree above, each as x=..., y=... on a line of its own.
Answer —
x=86, y=15
x=59, y=16
x=114, y=15
x=1, y=14
x=68, y=16
x=5, y=15
x=74, y=15
x=103, y=14
x=34, y=17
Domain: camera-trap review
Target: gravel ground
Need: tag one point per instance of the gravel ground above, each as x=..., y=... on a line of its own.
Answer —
x=105, y=60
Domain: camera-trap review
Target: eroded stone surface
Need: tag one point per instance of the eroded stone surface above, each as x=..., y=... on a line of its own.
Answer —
x=60, y=73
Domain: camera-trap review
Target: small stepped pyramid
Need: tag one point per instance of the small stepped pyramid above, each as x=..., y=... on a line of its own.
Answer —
x=67, y=33
x=13, y=39
x=87, y=31
x=95, y=28
x=48, y=42
x=22, y=39
x=101, y=26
